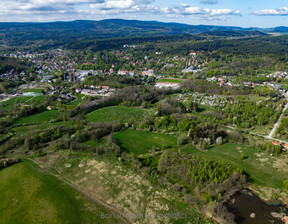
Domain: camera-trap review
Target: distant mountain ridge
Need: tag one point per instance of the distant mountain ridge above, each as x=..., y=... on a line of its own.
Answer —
x=15, y=34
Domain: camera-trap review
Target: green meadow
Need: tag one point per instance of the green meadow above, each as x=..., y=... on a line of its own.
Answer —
x=76, y=102
x=114, y=113
x=9, y=104
x=33, y=90
x=140, y=142
x=42, y=117
x=259, y=166
x=170, y=80
x=29, y=195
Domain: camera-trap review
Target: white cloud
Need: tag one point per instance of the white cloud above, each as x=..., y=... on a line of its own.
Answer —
x=49, y=10
x=113, y=4
x=209, y=2
x=272, y=12
x=201, y=13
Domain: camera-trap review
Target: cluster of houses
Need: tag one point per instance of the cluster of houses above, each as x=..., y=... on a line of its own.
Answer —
x=14, y=75
x=278, y=75
x=282, y=145
x=96, y=90
x=167, y=85
x=220, y=80
x=203, y=99
x=224, y=80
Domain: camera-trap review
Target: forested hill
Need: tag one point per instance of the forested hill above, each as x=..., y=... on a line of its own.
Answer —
x=53, y=33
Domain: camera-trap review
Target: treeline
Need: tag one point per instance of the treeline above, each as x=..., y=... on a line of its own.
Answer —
x=246, y=113
x=7, y=64
x=117, y=43
x=19, y=111
x=273, y=46
x=117, y=81
x=192, y=129
x=203, y=86
x=201, y=181
x=282, y=131
x=7, y=85
x=37, y=139
x=131, y=96
x=94, y=132
x=5, y=162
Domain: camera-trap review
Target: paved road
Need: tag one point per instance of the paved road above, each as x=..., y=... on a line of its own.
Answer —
x=277, y=123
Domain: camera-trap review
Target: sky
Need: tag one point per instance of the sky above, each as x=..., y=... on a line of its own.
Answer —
x=243, y=13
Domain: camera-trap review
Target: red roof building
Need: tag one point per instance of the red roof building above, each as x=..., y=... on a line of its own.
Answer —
x=276, y=143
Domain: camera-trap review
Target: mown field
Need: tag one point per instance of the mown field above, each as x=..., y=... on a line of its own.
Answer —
x=114, y=113
x=32, y=90
x=9, y=104
x=170, y=80
x=42, y=117
x=140, y=142
x=29, y=195
x=262, y=169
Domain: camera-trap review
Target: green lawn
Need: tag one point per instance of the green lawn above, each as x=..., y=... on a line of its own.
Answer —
x=140, y=142
x=170, y=80
x=29, y=195
x=9, y=104
x=260, y=172
x=45, y=116
x=36, y=99
x=76, y=102
x=115, y=113
x=33, y=90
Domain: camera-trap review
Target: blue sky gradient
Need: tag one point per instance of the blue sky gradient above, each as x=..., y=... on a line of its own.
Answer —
x=244, y=13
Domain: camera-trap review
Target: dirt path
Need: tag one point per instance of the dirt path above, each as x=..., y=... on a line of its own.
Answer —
x=122, y=216
x=29, y=100
x=5, y=99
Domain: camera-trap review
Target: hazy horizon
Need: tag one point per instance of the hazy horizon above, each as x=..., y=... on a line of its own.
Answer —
x=263, y=14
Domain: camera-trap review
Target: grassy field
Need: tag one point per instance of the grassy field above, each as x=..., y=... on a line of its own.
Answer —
x=9, y=104
x=262, y=168
x=33, y=90
x=115, y=113
x=29, y=195
x=45, y=116
x=140, y=142
x=170, y=80
x=108, y=180
x=36, y=99
x=38, y=127
x=76, y=102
